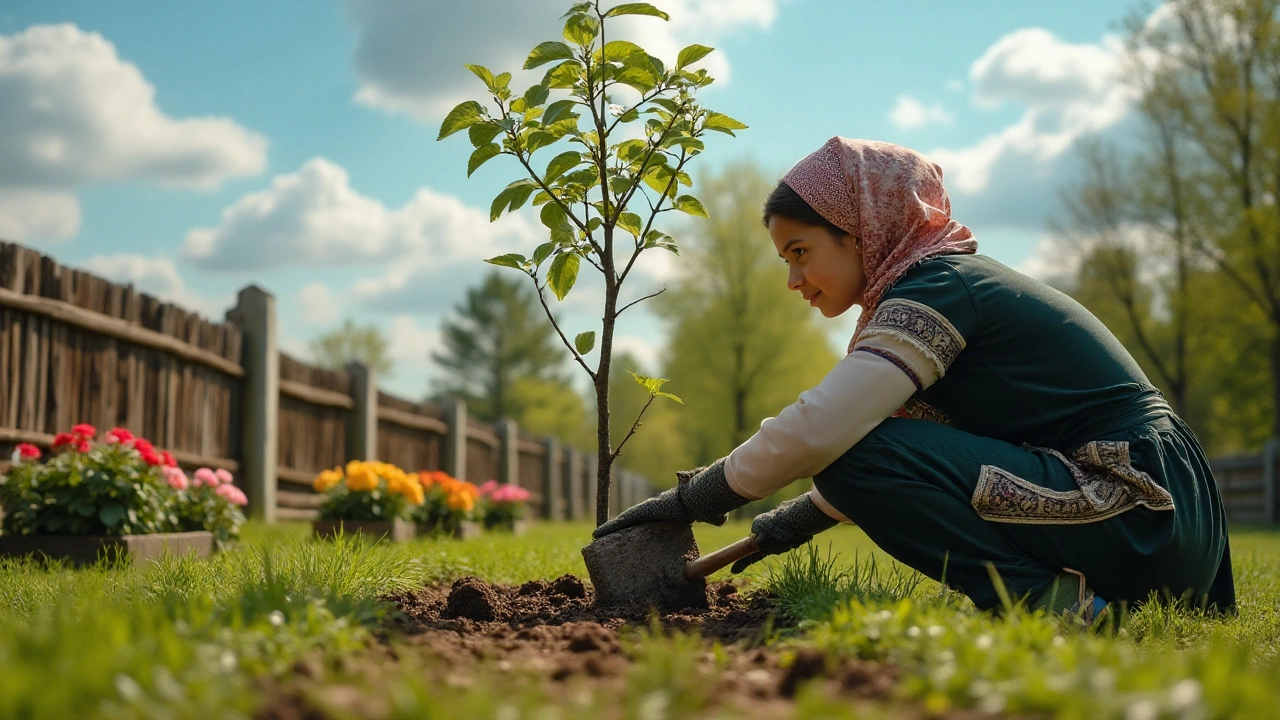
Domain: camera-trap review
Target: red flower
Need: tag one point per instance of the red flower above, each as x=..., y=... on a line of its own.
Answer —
x=119, y=435
x=143, y=446
x=63, y=439
x=83, y=446
x=151, y=458
x=168, y=460
x=27, y=451
x=85, y=430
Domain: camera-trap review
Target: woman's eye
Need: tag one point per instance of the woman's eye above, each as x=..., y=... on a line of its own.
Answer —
x=799, y=252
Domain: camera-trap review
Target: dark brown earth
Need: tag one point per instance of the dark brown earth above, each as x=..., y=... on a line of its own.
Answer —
x=554, y=631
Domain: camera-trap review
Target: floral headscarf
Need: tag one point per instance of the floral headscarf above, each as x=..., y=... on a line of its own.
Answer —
x=888, y=197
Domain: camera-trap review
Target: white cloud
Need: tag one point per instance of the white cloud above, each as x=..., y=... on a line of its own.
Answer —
x=407, y=60
x=313, y=217
x=909, y=113
x=318, y=303
x=1069, y=91
x=75, y=113
x=156, y=276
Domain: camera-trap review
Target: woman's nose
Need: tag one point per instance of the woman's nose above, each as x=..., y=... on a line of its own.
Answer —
x=795, y=279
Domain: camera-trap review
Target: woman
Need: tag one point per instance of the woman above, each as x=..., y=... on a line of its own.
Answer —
x=981, y=420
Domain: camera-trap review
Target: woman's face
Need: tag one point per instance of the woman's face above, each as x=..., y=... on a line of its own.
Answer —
x=827, y=274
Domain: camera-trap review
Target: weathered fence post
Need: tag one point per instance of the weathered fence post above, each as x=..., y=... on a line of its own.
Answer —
x=508, y=451
x=362, y=431
x=573, y=484
x=1270, y=457
x=255, y=314
x=455, y=442
x=552, y=487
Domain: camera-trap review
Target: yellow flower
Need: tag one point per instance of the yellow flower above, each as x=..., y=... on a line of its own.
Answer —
x=362, y=479
x=326, y=480
x=355, y=465
x=460, y=501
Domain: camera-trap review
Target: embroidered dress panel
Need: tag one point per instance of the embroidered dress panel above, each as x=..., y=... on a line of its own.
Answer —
x=1108, y=485
x=920, y=326
x=921, y=410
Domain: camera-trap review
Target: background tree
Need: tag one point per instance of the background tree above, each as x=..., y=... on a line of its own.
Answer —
x=590, y=195
x=742, y=345
x=353, y=342
x=496, y=339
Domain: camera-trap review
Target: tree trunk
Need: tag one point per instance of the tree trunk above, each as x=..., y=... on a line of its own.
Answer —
x=1275, y=381
x=604, y=452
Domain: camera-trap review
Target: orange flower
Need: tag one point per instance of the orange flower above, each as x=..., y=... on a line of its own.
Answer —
x=362, y=479
x=327, y=480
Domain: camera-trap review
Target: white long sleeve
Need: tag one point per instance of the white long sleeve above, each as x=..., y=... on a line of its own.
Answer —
x=861, y=391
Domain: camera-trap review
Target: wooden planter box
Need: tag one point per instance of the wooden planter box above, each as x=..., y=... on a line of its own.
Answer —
x=393, y=530
x=88, y=549
x=465, y=530
x=516, y=527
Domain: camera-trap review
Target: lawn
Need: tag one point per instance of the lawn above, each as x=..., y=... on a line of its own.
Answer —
x=284, y=626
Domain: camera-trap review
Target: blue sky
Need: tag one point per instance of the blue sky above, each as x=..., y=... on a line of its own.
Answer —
x=193, y=148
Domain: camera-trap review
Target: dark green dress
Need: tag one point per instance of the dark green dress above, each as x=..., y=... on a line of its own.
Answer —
x=1042, y=446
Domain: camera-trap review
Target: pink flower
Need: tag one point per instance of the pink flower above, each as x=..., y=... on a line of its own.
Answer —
x=119, y=435
x=487, y=487
x=232, y=494
x=205, y=476
x=27, y=451
x=223, y=475
x=176, y=478
x=85, y=431
x=509, y=494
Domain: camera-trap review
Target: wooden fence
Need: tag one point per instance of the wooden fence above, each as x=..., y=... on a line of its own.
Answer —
x=76, y=348
x=1249, y=485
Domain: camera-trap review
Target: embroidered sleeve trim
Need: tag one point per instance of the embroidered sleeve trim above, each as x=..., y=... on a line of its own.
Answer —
x=920, y=326
x=899, y=362
x=921, y=410
x=1107, y=483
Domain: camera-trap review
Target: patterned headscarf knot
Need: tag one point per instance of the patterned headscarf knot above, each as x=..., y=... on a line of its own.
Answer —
x=887, y=197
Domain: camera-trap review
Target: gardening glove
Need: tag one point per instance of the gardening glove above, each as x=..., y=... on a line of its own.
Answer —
x=702, y=495
x=786, y=527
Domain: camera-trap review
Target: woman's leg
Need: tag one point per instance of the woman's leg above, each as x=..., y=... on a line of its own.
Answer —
x=910, y=486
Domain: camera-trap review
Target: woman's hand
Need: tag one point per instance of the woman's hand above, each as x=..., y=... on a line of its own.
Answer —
x=786, y=527
x=703, y=494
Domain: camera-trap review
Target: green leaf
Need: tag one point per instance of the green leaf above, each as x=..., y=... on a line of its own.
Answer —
x=511, y=260
x=619, y=50
x=558, y=110
x=501, y=202
x=553, y=216
x=461, y=117
x=691, y=205
x=581, y=29
x=483, y=73
x=722, y=123
x=563, y=274
x=692, y=54
x=547, y=52
x=564, y=75
x=636, y=9
x=543, y=252
x=562, y=163
x=483, y=154
x=585, y=342
x=536, y=95
x=654, y=386
x=520, y=196
x=639, y=79
x=538, y=140
x=111, y=514
x=483, y=133
x=502, y=80
x=630, y=222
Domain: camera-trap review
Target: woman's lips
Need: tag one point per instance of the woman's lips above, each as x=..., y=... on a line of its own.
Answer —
x=813, y=298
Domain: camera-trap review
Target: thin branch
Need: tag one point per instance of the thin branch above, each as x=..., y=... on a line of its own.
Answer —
x=542, y=298
x=634, y=426
x=646, y=297
x=675, y=176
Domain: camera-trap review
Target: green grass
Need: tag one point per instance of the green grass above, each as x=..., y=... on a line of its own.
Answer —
x=188, y=639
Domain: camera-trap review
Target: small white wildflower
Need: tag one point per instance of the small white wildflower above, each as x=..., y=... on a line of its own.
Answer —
x=992, y=704
x=1103, y=679
x=507, y=712
x=276, y=618
x=1059, y=641
x=946, y=656
x=873, y=633
x=984, y=641
x=128, y=688
x=227, y=660
x=1184, y=694
x=1142, y=710
x=913, y=631
x=935, y=630
x=884, y=615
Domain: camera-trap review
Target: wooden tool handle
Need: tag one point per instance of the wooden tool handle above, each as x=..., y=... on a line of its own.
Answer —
x=707, y=564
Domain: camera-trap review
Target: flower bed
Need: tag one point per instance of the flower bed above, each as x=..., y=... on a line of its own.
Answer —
x=449, y=508
x=369, y=497
x=121, y=497
x=503, y=507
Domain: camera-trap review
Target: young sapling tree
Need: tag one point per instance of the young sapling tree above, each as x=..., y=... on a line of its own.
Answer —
x=637, y=125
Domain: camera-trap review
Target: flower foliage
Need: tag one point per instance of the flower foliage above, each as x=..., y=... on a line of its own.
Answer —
x=368, y=490
x=449, y=500
x=121, y=486
x=502, y=504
